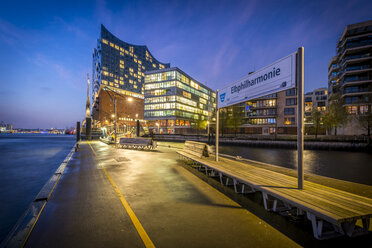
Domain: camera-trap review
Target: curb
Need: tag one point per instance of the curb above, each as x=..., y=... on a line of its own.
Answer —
x=22, y=229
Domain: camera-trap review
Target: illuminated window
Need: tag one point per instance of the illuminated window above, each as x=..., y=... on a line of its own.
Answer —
x=126, y=52
x=121, y=49
x=111, y=75
x=122, y=66
x=112, y=44
x=153, y=65
x=363, y=109
x=121, y=82
x=104, y=82
x=121, y=78
x=130, y=69
x=121, y=54
x=105, y=73
x=352, y=109
x=135, y=60
x=139, y=62
x=186, y=94
x=116, y=47
x=202, y=100
x=116, y=81
x=130, y=81
x=105, y=41
x=289, y=120
x=131, y=49
x=126, y=76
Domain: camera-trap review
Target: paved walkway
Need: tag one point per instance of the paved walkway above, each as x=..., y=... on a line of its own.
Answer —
x=126, y=198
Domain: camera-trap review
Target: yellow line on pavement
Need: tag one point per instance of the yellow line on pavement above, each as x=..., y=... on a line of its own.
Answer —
x=137, y=224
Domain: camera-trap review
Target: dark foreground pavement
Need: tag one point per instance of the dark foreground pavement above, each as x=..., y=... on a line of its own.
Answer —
x=175, y=208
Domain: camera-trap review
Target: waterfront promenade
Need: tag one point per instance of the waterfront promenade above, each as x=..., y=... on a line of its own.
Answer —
x=174, y=207
x=111, y=197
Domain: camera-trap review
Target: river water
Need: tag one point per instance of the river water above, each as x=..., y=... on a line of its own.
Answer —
x=27, y=161
x=349, y=166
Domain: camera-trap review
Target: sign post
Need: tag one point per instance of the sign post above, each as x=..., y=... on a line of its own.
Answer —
x=300, y=117
x=286, y=73
x=217, y=125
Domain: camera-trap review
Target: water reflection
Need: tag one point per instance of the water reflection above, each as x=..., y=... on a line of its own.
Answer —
x=349, y=166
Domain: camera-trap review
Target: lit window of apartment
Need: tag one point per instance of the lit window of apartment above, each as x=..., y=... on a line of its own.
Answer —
x=363, y=109
x=352, y=109
x=289, y=121
x=105, y=41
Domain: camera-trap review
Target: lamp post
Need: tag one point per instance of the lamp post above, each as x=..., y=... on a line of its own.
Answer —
x=114, y=99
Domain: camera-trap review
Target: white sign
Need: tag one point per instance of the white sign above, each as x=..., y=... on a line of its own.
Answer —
x=279, y=76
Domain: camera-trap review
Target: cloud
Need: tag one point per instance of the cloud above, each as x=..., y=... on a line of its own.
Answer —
x=9, y=33
x=46, y=89
x=62, y=73
x=72, y=27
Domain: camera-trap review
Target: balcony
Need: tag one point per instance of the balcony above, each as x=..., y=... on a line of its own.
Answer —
x=355, y=49
x=355, y=70
x=355, y=59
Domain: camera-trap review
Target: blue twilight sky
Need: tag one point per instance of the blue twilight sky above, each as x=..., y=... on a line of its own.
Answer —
x=46, y=46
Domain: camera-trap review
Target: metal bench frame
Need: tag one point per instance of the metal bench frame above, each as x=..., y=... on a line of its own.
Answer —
x=137, y=143
x=272, y=201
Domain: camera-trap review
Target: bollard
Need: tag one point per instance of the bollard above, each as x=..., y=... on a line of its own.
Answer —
x=78, y=131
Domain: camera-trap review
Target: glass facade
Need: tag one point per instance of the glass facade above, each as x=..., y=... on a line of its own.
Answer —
x=121, y=65
x=172, y=98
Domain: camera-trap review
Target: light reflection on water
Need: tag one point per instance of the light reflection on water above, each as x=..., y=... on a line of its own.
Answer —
x=349, y=166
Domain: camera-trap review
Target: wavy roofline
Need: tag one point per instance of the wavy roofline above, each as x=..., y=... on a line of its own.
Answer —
x=130, y=44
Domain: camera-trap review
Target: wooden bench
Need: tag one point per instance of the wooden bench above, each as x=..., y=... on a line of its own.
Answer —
x=321, y=204
x=192, y=148
x=137, y=143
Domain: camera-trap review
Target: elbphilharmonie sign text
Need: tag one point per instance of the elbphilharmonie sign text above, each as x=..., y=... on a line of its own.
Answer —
x=279, y=76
